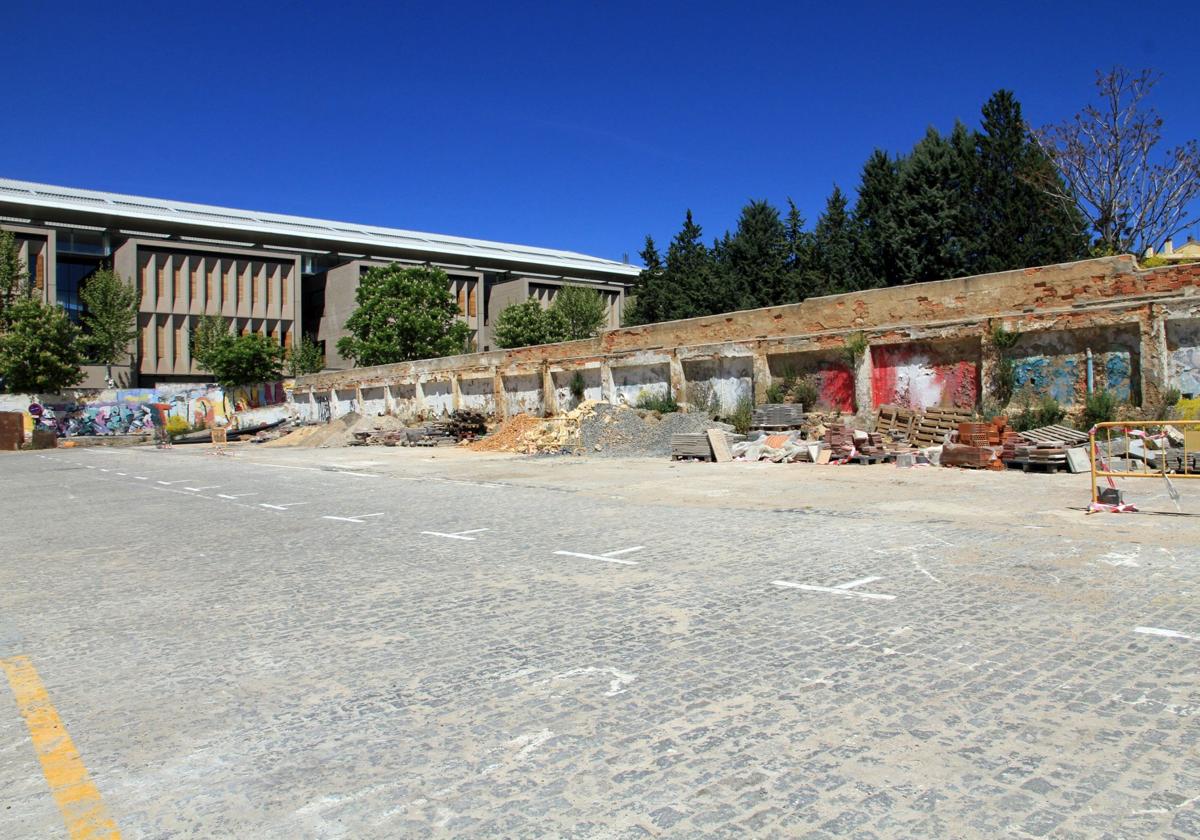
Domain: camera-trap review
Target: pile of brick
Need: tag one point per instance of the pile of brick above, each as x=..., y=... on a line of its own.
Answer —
x=839, y=440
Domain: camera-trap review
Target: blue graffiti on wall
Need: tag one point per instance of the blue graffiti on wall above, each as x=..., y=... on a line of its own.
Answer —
x=1117, y=375
x=1065, y=378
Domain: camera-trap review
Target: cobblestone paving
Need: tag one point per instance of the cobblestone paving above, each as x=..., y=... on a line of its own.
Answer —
x=231, y=662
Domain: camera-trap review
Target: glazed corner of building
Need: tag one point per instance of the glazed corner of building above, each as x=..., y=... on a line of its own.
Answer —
x=281, y=276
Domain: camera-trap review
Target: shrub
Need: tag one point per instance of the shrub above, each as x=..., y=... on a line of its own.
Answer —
x=1101, y=407
x=1034, y=415
x=1164, y=409
x=742, y=416
x=577, y=386
x=662, y=403
x=806, y=393
x=177, y=426
x=776, y=393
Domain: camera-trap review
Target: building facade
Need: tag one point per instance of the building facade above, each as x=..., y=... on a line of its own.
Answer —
x=277, y=275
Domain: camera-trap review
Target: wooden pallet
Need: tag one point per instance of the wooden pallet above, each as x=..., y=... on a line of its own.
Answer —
x=873, y=459
x=778, y=416
x=1063, y=436
x=1028, y=465
x=936, y=423
x=896, y=420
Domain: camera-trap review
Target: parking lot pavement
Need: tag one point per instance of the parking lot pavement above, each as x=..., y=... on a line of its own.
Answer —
x=286, y=647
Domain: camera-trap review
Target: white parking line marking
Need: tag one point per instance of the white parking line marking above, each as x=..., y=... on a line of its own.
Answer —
x=858, y=582
x=597, y=557
x=235, y=496
x=837, y=590
x=205, y=487
x=1158, y=631
x=458, y=535
x=176, y=481
x=121, y=473
x=141, y=478
x=283, y=506
x=357, y=518
x=622, y=551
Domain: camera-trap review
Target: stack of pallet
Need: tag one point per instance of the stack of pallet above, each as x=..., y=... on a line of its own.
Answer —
x=777, y=416
x=896, y=422
x=698, y=446
x=936, y=423
x=1046, y=456
x=839, y=440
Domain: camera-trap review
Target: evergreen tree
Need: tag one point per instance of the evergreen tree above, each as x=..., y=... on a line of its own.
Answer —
x=1019, y=225
x=648, y=291
x=14, y=278
x=801, y=277
x=526, y=324
x=876, y=222
x=933, y=209
x=691, y=274
x=756, y=258
x=835, y=248
x=581, y=310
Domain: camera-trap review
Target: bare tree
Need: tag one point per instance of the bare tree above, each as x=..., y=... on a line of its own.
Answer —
x=1133, y=195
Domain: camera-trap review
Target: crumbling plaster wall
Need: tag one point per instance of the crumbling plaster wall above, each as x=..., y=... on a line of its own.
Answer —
x=1183, y=345
x=948, y=318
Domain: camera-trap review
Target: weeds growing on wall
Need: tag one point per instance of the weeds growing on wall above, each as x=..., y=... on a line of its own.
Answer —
x=704, y=399
x=662, y=403
x=742, y=416
x=1005, y=378
x=577, y=386
x=795, y=388
x=1101, y=407
x=1037, y=412
x=1165, y=408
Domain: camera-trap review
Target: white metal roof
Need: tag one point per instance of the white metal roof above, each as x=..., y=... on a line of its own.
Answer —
x=133, y=208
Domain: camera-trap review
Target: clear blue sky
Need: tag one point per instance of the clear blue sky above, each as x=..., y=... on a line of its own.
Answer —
x=574, y=125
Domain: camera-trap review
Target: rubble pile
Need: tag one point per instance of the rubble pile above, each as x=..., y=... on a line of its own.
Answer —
x=620, y=431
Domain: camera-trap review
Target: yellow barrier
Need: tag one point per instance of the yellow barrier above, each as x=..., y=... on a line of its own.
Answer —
x=1153, y=438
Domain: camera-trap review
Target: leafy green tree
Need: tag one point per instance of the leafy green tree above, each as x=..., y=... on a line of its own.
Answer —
x=835, y=248
x=110, y=321
x=403, y=314
x=582, y=310
x=1019, y=223
x=756, y=258
x=39, y=349
x=876, y=222
x=525, y=324
x=245, y=360
x=14, y=278
x=210, y=333
x=304, y=357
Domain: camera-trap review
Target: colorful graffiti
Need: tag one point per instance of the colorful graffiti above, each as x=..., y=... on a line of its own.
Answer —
x=1065, y=377
x=127, y=411
x=835, y=382
x=922, y=376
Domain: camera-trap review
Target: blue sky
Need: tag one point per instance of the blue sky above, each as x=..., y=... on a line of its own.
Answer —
x=574, y=125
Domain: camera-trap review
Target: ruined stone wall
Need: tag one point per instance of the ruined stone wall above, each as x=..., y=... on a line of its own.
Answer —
x=928, y=345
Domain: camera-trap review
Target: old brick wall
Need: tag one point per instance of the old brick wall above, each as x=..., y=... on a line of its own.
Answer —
x=928, y=345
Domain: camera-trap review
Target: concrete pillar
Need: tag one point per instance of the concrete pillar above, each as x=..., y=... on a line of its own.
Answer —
x=498, y=395
x=864, y=396
x=389, y=402
x=313, y=414
x=608, y=390
x=677, y=379
x=1153, y=361
x=989, y=362
x=333, y=404
x=358, y=399
x=455, y=393
x=418, y=397
x=762, y=376
x=549, y=397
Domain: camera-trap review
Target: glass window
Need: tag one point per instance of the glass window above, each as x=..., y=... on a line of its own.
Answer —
x=72, y=274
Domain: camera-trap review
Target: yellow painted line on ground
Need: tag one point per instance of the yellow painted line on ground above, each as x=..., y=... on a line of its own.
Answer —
x=78, y=799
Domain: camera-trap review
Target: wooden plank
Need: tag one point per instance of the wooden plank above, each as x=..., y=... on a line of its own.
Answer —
x=720, y=446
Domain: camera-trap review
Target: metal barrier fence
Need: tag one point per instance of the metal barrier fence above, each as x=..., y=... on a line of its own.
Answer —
x=1144, y=441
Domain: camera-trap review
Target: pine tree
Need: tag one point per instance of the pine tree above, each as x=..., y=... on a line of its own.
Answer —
x=39, y=349
x=835, y=248
x=756, y=258
x=1018, y=224
x=648, y=291
x=690, y=274
x=800, y=273
x=933, y=208
x=876, y=222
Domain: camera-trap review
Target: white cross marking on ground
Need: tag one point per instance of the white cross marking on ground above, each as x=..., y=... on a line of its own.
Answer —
x=457, y=535
x=357, y=518
x=607, y=557
x=840, y=589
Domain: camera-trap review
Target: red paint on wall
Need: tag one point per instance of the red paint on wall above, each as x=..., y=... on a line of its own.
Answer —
x=922, y=376
x=837, y=387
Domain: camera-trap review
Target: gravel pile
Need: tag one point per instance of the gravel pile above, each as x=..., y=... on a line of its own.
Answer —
x=614, y=431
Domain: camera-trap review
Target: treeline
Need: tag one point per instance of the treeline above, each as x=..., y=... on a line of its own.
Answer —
x=958, y=204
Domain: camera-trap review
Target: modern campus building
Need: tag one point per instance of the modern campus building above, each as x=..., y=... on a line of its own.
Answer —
x=282, y=276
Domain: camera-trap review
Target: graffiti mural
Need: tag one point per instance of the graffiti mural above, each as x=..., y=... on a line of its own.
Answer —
x=1055, y=364
x=922, y=376
x=1183, y=348
x=831, y=374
